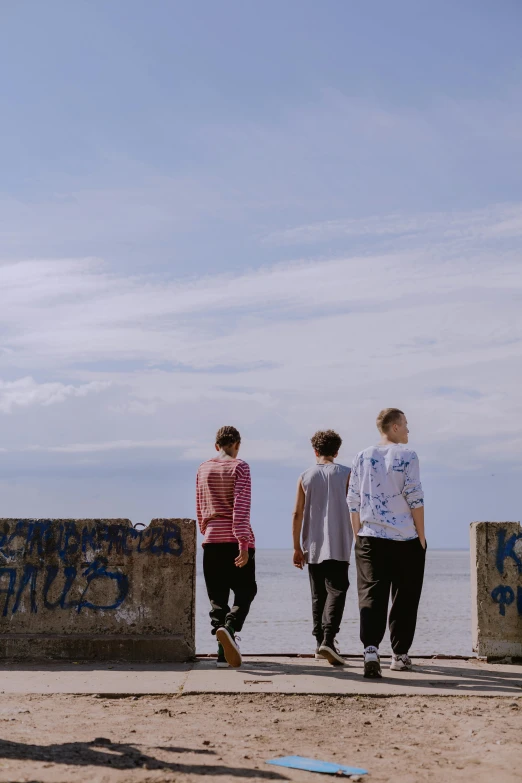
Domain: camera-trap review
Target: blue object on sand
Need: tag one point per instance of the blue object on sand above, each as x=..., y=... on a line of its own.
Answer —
x=314, y=765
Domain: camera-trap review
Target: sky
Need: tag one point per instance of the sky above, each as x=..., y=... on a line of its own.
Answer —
x=281, y=216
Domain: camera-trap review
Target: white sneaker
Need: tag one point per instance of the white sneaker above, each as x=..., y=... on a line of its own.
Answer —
x=318, y=656
x=332, y=654
x=372, y=663
x=230, y=646
x=401, y=663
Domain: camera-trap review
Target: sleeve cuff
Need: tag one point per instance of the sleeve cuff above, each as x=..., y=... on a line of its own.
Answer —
x=243, y=546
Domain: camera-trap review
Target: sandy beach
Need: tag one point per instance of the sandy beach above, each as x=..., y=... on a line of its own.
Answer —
x=67, y=738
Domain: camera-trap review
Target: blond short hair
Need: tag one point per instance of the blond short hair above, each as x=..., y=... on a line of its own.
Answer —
x=387, y=418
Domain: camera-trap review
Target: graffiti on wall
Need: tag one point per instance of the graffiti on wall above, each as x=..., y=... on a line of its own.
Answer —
x=67, y=565
x=508, y=548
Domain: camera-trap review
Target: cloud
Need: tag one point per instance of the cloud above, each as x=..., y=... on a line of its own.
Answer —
x=428, y=320
x=117, y=445
x=26, y=392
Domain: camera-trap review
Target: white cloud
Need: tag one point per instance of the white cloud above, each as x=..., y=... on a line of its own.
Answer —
x=26, y=392
x=116, y=445
x=317, y=342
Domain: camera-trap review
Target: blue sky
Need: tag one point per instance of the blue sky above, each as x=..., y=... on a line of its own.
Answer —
x=283, y=216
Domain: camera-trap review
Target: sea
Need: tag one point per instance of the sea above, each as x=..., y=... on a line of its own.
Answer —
x=280, y=619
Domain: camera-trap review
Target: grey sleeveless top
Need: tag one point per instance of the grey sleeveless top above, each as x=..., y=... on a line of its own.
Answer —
x=327, y=532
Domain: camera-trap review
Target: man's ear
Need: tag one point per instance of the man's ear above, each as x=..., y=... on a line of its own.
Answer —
x=217, y=447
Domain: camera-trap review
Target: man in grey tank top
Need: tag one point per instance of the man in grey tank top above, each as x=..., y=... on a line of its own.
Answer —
x=321, y=515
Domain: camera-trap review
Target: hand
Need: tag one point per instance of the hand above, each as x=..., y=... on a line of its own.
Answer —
x=299, y=558
x=423, y=542
x=242, y=559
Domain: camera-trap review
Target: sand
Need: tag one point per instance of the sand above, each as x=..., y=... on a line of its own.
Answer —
x=228, y=738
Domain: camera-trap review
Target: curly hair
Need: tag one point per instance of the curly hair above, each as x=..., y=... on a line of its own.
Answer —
x=326, y=443
x=226, y=436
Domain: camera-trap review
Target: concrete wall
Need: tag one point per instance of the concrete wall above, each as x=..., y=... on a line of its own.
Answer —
x=496, y=588
x=84, y=589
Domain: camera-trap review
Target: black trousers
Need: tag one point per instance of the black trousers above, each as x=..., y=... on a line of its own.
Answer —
x=383, y=566
x=329, y=585
x=222, y=576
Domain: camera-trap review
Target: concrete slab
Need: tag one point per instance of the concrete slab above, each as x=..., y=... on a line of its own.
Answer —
x=97, y=590
x=121, y=680
x=264, y=675
x=306, y=675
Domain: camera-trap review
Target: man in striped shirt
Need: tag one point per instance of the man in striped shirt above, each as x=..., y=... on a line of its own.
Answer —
x=223, y=490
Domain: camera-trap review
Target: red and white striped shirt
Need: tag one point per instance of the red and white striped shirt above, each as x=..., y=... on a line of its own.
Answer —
x=223, y=490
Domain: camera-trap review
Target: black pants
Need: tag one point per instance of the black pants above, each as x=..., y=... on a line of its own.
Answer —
x=221, y=576
x=384, y=565
x=329, y=585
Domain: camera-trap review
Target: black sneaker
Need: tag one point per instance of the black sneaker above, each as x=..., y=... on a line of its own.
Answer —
x=330, y=651
x=227, y=638
x=221, y=662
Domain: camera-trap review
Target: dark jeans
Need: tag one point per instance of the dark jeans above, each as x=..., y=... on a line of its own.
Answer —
x=221, y=576
x=383, y=566
x=329, y=585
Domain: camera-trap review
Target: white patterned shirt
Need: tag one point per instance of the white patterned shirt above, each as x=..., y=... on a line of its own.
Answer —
x=384, y=486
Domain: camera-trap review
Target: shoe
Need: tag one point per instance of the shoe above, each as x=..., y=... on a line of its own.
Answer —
x=318, y=656
x=227, y=638
x=372, y=663
x=401, y=663
x=221, y=662
x=330, y=651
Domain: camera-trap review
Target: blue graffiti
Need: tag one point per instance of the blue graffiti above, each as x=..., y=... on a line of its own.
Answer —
x=69, y=540
x=94, y=571
x=507, y=549
x=79, y=561
x=9, y=590
x=29, y=575
x=98, y=570
x=503, y=596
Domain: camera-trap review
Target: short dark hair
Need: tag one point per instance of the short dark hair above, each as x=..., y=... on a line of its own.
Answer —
x=226, y=436
x=387, y=418
x=326, y=443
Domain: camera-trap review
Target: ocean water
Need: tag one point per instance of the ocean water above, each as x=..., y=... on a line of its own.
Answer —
x=280, y=620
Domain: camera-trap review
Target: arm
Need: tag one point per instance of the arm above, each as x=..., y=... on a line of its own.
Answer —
x=297, y=525
x=355, y=519
x=241, y=513
x=415, y=496
x=199, y=512
x=354, y=497
x=418, y=521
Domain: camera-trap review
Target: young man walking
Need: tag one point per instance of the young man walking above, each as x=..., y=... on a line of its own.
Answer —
x=386, y=505
x=223, y=490
x=321, y=515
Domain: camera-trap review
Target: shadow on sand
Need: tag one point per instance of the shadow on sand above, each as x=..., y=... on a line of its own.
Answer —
x=103, y=753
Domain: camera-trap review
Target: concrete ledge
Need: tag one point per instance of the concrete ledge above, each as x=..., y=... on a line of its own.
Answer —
x=496, y=589
x=104, y=648
x=82, y=589
x=261, y=675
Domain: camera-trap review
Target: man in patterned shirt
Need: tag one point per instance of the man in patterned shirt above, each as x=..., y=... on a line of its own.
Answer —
x=223, y=492
x=386, y=505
